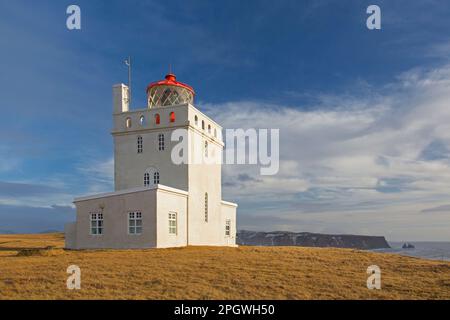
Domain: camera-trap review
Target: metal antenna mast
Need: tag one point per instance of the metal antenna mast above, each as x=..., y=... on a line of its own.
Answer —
x=128, y=63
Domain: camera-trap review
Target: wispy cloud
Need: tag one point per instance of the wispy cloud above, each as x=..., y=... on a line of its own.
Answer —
x=99, y=175
x=444, y=208
x=11, y=189
x=33, y=192
x=372, y=159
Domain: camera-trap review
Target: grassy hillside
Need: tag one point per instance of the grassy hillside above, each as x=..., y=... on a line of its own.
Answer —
x=212, y=273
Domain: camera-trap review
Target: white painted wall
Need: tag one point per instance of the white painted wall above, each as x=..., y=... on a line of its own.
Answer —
x=115, y=214
x=130, y=166
x=197, y=179
x=228, y=211
x=171, y=202
x=70, y=239
x=154, y=204
x=185, y=196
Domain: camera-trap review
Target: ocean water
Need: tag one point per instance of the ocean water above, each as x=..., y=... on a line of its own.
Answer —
x=426, y=250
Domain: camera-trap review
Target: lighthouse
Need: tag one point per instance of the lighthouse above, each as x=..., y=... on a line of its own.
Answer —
x=158, y=202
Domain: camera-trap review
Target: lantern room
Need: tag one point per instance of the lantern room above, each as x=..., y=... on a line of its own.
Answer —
x=169, y=92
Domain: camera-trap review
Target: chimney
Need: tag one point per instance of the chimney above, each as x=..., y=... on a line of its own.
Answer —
x=120, y=98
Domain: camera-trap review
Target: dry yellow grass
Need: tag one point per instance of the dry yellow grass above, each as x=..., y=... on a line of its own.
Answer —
x=213, y=273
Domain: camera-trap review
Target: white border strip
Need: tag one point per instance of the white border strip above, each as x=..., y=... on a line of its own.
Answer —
x=231, y=204
x=133, y=190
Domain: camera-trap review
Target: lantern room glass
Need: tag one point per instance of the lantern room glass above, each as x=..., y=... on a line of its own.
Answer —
x=167, y=95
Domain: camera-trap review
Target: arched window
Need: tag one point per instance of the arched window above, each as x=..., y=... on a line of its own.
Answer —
x=141, y=120
x=146, y=179
x=206, y=207
x=196, y=120
x=151, y=176
x=203, y=125
x=209, y=128
x=172, y=117
x=140, y=146
x=161, y=143
x=206, y=149
x=128, y=122
x=157, y=118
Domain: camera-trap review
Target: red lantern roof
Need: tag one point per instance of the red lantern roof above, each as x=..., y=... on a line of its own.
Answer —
x=171, y=80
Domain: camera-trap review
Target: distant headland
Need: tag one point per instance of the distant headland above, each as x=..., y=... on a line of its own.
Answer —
x=306, y=239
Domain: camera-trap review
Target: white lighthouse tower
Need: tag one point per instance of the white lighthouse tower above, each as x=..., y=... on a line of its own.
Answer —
x=158, y=202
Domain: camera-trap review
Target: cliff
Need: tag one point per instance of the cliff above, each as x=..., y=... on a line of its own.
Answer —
x=305, y=239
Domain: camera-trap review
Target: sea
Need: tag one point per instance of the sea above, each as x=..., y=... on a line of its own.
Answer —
x=425, y=250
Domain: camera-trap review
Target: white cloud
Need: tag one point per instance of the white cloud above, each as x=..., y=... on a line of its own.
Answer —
x=96, y=176
x=99, y=175
x=347, y=152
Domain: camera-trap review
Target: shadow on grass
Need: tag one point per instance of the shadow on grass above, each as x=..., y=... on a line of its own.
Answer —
x=31, y=252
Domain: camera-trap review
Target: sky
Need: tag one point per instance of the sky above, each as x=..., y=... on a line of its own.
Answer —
x=364, y=115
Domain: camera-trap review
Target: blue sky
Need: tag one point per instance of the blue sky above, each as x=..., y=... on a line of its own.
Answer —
x=364, y=111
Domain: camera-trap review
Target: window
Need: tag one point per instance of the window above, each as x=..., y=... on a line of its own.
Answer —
x=215, y=132
x=206, y=149
x=172, y=223
x=206, y=207
x=140, y=147
x=157, y=118
x=146, y=179
x=96, y=223
x=165, y=101
x=142, y=120
x=196, y=120
x=161, y=142
x=151, y=177
x=209, y=128
x=135, y=223
x=172, y=117
x=203, y=125
x=227, y=228
x=128, y=122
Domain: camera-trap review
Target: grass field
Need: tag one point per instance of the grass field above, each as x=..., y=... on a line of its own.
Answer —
x=212, y=273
